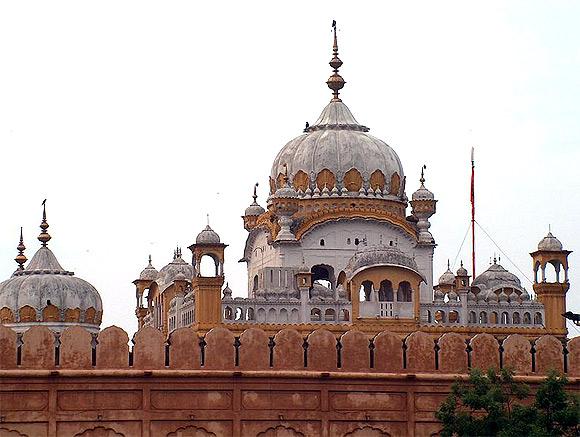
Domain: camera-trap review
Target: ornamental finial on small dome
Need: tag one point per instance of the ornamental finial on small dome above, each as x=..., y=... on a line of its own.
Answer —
x=44, y=236
x=21, y=258
x=422, y=180
x=335, y=82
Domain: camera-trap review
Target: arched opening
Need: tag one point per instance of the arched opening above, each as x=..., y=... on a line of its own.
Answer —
x=228, y=313
x=453, y=317
x=283, y=318
x=483, y=318
x=344, y=315
x=315, y=315
x=294, y=315
x=505, y=318
x=271, y=315
x=516, y=319
x=255, y=286
x=239, y=314
x=493, y=318
x=329, y=315
x=472, y=317
x=261, y=315
x=323, y=272
x=325, y=179
x=527, y=319
x=552, y=270
x=386, y=291
x=341, y=279
x=208, y=266
x=404, y=292
x=538, y=319
x=429, y=317
x=250, y=314
x=395, y=184
x=440, y=316
x=365, y=292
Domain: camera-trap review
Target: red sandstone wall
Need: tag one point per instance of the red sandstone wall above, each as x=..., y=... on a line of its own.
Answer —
x=286, y=385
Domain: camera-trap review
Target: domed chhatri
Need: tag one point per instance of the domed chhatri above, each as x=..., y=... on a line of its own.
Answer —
x=45, y=293
x=149, y=273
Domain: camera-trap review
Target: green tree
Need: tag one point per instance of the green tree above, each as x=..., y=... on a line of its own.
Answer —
x=491, y=404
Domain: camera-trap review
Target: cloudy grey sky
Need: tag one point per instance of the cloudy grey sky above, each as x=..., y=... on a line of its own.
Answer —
x=135, y=119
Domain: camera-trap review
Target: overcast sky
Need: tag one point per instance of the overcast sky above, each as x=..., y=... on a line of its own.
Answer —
x=136, y=119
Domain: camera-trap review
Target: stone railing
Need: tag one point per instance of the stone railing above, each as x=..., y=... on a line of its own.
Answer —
x=254, y=350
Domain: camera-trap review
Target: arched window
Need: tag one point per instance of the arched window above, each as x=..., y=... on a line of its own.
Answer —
x=483, y=318
x=323, y=272
x=315, y=315
x=294, y=315
x=283, y=318
x=404, y=292
x=322, y=241
x=329, y=315
x=255, y=287
x=261, y=315
x=366, y=289
x=440, y=316
x=527, y=319
x=344, y=315
x=208, y=266
x=505, y=318
x=516, y=319
x=272, y=315
x=239, y=314
x=250, y=315
x=228, y=313
x=538, y=319
x=453, y=317
x=494, y=318
x=472, y=317
x=386, y=291
x=429, y=318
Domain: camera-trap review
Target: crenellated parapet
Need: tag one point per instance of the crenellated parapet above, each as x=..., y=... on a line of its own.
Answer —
x=254, y=349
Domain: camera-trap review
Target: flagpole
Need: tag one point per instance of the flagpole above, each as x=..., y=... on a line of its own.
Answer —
x=472, y=212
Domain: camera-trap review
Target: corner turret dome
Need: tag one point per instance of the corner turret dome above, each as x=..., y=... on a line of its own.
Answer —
x=550, y=243
x=207, y=236
x=149, y=273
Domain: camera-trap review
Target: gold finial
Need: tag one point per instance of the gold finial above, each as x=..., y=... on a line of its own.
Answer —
x=335, y=82
x=44, y=236
x=255, y=196
x=21, y=258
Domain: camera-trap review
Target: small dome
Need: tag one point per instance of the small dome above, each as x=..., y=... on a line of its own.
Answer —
x=254, y=210
x=462, y=271
x=447, y=278
x=471, y=297
x=495, y=278
x=207, y=236
x=227, y=291
x=171, y=271
x=180, y=277
x=422, y=193
x=149, y=273
x=503, y=297
x=452, y=295
x=286, y=192
x=438, y=296
x=524, y=295
x=550, y=243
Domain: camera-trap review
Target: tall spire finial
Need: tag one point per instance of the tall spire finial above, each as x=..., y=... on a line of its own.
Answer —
x=21, y=258
x=448, y=265
x=255, y=196
x=335, y=82
x=422, y=180
x=44, y=236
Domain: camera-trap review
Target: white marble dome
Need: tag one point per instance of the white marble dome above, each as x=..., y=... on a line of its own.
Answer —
x=337, y=142
x=44, y=282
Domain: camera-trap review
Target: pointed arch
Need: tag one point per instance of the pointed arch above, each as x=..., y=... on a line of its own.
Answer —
x=325, y=177
x=301, y=181
x=378, y=180
x=353, y=180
